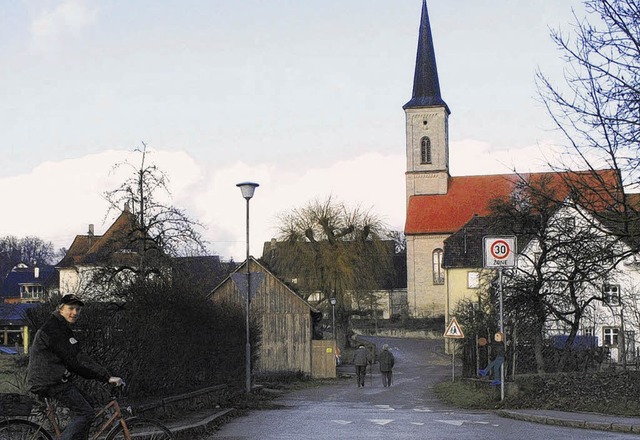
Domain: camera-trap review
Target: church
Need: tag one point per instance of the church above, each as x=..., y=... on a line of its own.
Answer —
x=437, y=204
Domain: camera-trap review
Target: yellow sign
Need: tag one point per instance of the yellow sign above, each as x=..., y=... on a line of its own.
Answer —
x=454, y=330
x=329, y=350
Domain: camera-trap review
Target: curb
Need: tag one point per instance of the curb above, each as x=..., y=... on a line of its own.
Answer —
x=571, y=423
x=207, y=423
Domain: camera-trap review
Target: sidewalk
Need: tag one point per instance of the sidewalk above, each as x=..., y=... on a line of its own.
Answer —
x=601, y=422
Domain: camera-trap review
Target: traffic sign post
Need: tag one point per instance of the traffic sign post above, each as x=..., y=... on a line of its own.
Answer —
x=500, y=253
x=453, y=331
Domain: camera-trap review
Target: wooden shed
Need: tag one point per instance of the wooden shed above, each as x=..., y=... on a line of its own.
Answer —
x=286, y=320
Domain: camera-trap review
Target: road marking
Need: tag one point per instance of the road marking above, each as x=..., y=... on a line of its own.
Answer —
x=342, y=422
x=385, y=407
x=417, y=423
x=422, y=409
x=452, y=422
x=380, y=421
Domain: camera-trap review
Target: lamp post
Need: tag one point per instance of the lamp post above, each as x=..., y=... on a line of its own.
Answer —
x=333, y=301
x=247, y=189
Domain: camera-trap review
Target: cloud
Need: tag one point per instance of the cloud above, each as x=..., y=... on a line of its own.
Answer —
x=50, y=24
x=472, y=157
x=58, y=200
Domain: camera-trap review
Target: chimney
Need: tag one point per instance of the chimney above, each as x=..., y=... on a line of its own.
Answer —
x=90, y=228
x=36, y=272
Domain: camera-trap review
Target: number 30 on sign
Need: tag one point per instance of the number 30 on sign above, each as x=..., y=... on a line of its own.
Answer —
x=499, y=252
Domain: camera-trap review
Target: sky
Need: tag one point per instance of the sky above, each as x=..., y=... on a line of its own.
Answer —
x=304, y=98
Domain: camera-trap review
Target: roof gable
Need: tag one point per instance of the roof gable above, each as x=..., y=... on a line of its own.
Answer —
x=254, y=264
x=10, y=287
x=465, y=247
x=117, y=246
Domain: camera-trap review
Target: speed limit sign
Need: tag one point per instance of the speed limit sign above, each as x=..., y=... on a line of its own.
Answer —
x=499, y=252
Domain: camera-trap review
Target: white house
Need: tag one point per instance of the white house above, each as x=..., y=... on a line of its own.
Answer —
x=582, y=253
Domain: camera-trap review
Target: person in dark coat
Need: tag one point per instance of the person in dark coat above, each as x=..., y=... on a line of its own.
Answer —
x=55, y=357
x=386, y=361
x=361, y=358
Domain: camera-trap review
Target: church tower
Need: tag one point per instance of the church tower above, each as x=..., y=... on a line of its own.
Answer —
x=426, y=122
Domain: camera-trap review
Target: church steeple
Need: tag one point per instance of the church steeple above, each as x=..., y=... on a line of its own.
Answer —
x=426, y=87
x=427, y=118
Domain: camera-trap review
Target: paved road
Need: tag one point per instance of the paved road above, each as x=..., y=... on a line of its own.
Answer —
x=407, y=410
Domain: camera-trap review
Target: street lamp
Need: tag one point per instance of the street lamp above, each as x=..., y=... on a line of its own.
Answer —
x=333, y=301
x=247, y=189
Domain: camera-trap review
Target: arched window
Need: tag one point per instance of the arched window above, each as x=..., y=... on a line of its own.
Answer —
x=425, y=150
x=438, y=272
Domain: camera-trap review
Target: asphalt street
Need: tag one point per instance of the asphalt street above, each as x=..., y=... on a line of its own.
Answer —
x=406, y=410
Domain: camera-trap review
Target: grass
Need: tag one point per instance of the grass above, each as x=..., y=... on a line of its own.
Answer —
x=613, y=393
x=464, y=395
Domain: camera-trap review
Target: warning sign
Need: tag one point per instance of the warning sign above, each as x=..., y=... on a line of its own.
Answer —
x=454, y=330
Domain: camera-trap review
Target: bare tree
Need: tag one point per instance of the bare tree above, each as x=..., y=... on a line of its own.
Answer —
x=565, y=264
x=598, y=106
x=161, y=231
x=333, y=250
x=29, y=250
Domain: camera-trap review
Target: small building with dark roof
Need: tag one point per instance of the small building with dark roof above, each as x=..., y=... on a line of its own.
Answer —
x=287, y=324
x=29, y=284
x=463, y=260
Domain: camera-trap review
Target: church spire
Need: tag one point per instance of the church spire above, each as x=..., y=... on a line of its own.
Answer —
x=426, y=87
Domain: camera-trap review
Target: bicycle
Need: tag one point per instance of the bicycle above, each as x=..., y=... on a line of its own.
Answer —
x=116, y=425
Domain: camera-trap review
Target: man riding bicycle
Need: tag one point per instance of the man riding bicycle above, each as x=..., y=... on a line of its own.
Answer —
x=55, y=357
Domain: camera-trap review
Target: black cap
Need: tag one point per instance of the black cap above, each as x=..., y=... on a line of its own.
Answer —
x=71, y=299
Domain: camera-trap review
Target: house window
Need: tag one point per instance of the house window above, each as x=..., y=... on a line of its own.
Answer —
x=438, y=272
x=568, y=223
x=610, y=336
x=473, y=280
x=611, y=294
x=425, y=150
x=31, y=291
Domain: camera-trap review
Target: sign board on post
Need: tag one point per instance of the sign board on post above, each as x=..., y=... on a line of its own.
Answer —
x=454, y=330
x=499, y=252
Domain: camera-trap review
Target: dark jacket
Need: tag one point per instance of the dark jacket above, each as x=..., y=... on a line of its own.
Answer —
x=386, y=360
x=361, y=357
x=497, y=349
x=55, y=356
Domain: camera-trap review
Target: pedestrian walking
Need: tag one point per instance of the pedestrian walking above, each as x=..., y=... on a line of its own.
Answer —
x=386, y=361
x=361, y=358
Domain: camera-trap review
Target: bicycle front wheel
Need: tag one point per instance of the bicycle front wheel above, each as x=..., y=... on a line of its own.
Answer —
x=140, y=429
x=19, y=429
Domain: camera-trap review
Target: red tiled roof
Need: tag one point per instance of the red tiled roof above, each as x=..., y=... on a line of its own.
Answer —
x=81, y=244
x=446, y=213
x=117, y=246
x=633, y=200
x=470, y=195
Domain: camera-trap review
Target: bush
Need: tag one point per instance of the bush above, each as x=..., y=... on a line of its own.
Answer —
x=609, y=392
x=163, y=340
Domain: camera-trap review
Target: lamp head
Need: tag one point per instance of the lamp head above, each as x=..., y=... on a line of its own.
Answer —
x=333, y=301
x=247, y=189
